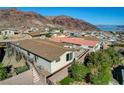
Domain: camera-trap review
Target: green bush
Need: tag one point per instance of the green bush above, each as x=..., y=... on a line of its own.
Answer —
x=79, y=72
x=21, y=69
x=100, y=64
x=102, y=78
x=115, y=56
x=66, y=81
x=3, y=72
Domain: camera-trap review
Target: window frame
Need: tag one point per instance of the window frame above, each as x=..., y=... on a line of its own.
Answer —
x=69, y=56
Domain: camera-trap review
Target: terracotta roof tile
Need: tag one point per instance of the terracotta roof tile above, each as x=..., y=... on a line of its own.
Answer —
x=73, y=40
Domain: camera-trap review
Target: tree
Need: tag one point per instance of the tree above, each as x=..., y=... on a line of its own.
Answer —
x=97, y=60
x=102, y=78
x=3, y=72
x=115, y=56
x=108, y=57
x=100, y=64
x=79, y=71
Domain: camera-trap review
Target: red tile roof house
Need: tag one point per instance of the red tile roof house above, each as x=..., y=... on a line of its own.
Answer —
x=50, y=59
x=87, y=44
x=80, y=43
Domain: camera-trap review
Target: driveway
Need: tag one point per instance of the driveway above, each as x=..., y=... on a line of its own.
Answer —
x=25, y=78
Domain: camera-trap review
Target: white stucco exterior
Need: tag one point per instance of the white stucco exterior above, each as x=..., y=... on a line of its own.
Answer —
x=94, y=48
x=97, y=47
x=57, y=65
x=43, y=64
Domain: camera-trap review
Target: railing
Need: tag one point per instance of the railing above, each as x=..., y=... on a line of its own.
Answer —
x=82, y=54
x=40, y=73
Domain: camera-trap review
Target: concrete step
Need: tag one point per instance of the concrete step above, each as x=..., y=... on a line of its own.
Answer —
x=36, y=77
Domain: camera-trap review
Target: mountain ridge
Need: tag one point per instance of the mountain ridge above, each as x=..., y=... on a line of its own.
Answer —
x=24, y=20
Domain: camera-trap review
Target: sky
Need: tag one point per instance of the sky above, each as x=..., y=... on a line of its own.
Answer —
x=94, y=15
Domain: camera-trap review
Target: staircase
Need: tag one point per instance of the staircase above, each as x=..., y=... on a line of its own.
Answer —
x=36, y=77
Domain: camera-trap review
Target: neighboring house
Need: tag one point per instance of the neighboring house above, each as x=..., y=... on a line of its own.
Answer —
x=37, y=34
x=74, y=41
x=7, y=32
x=32, y=29
x=50, y=59
x=81, y=46
x=56, y=31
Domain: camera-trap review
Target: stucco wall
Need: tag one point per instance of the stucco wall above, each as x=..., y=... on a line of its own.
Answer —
x=57, y=65
x=44, y=64
x=59, y=75
x=54, y=66
x=97, y=47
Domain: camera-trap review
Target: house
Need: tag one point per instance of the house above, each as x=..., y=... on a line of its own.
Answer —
x=7, y=32
x=31, y=29
x=37, y=34
x=81, y=46
x=50, y=59
x=74, y=41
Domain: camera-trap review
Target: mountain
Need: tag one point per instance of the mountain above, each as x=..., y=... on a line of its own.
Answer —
x=13, y=18
x=72, y=23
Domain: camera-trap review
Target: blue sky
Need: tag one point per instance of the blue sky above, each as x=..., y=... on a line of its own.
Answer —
x=94, y=15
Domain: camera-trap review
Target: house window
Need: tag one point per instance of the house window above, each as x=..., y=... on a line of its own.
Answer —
x=69, y=57
x=28, y=54
x=36, y=58
x=58, y=60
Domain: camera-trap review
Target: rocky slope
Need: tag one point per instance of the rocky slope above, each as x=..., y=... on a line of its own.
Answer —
x=13, y=18
x=72, y=23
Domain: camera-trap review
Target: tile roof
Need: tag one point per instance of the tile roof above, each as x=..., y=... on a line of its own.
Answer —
x=46, y=49
x=74, y=40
